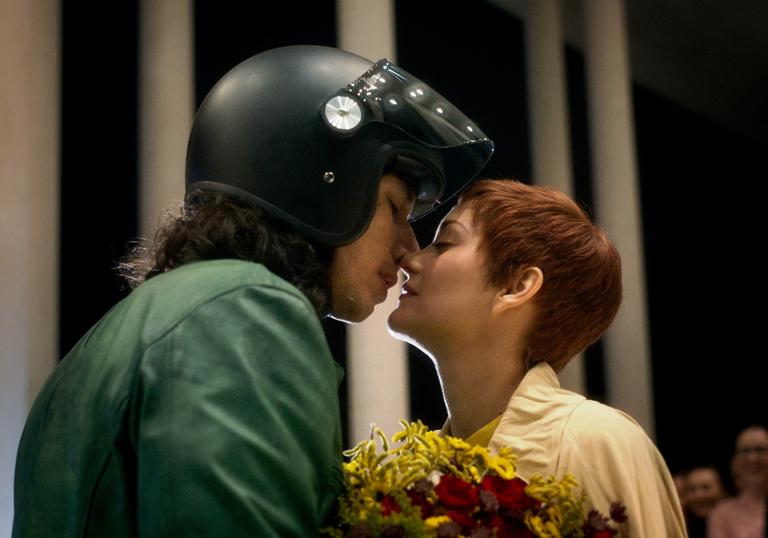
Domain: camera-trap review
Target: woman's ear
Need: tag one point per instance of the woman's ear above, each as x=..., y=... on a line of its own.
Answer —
x=522, y=289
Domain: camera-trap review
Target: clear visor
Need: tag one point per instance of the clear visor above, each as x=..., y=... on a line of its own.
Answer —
x=394, y=96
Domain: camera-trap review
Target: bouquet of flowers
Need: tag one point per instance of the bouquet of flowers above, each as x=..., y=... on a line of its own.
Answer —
x=428, y=485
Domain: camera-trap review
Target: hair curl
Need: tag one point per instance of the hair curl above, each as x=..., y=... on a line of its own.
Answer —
x=214, y=226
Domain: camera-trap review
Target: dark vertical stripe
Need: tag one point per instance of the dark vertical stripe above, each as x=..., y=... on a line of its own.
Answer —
x=471, y=53
x=703, y=228
x=98, y=158
x=227, y=32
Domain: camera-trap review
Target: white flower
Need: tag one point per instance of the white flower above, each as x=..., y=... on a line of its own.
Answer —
x=435, y=477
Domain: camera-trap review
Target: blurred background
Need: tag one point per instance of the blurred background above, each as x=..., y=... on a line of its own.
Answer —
x=653, y=114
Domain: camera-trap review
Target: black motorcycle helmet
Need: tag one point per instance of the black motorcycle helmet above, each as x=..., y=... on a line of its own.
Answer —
x=305, y=132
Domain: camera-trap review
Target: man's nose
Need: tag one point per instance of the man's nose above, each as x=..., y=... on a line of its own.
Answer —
x=406, y=244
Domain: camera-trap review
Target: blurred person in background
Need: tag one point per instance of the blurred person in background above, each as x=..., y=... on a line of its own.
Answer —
x=703, y=489
x=679, y=479
x=744, y=515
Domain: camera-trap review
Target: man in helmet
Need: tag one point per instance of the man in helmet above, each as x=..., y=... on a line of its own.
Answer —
x=206, y=402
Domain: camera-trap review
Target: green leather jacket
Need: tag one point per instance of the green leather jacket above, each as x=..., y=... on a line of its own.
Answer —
x=203, y=404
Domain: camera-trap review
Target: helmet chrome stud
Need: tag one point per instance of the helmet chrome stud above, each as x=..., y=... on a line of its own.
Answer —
x=343, y=113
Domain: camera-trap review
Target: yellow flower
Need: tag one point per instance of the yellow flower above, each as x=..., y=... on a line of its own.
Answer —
x=504, y=466
x=458, y=444
x=415, y=460
x=435, y=521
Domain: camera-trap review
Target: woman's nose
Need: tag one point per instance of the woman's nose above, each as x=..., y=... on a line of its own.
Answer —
x=411, y=263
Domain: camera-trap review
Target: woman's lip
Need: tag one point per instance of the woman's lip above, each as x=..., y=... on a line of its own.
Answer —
x=407, y=290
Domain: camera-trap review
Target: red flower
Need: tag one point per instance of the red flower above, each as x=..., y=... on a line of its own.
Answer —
x=455, y=493
x=618, y=512
x=509, y=528
x=464, y=520
x=420, y=500
x=602, y=534
x=597, y=526
x=510, y=493
x=389, y=505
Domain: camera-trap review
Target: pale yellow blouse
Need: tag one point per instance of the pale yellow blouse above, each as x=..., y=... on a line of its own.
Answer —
x=554, y=431
x=482, y=436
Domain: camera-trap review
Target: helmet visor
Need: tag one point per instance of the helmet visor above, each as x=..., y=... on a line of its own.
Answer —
x=396, y=97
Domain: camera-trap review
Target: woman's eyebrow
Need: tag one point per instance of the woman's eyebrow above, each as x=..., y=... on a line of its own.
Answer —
x=446, y=225
x=456, y=223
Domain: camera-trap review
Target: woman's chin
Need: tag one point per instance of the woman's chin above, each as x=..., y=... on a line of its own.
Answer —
x=399, y=325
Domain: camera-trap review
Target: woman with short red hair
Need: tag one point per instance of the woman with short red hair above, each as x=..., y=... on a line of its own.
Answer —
x=516, y=283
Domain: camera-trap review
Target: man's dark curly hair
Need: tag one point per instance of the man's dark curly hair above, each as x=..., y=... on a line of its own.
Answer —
x=214, y=226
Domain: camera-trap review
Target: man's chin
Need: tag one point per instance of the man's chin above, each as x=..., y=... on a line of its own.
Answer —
x=358, y=314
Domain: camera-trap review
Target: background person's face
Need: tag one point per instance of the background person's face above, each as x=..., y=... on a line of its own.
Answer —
x=363, y=271
x=679, y=480
x=445, y=297
x=750, y=461
x=703, y=490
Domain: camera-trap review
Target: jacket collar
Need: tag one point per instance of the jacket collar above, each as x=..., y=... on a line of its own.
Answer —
x=534, y=421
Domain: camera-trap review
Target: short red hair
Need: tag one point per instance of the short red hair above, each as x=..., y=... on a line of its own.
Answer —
x=523, y=226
